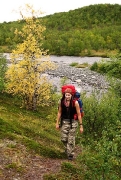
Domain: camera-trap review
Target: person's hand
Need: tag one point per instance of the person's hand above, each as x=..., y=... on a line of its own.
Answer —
x=57, y=126
x=81, y=129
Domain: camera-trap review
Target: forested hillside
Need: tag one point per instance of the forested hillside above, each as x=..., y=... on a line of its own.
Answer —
x=89, y=31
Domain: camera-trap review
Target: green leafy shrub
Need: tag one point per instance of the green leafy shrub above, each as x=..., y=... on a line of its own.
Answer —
x=111, y=67
x=94, y=66
x=101, y=153
x=99, y=113
x=73, y=64
x=101, y=162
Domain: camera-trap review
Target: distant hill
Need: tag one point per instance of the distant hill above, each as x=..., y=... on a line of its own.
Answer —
x=88, y=31
x=86, y=17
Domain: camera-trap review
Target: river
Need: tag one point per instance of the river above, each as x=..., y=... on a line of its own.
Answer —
x=69, y=59
x=82, y=78
x=80, y=60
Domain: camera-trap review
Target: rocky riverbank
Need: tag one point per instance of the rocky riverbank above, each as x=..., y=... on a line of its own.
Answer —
x=83, y=78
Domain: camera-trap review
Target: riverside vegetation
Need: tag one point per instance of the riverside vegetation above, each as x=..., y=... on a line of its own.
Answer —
x=28, y=136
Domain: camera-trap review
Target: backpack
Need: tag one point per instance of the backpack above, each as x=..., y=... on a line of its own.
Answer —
x=70, y=86
x=76, y=97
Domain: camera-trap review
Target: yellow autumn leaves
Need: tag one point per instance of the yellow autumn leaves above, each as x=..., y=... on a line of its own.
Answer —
x=28, y=62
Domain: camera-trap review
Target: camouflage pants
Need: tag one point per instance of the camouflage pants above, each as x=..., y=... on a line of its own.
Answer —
x=68, y=136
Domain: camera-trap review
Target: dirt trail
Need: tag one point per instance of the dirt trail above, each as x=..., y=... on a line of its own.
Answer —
x=16, y=163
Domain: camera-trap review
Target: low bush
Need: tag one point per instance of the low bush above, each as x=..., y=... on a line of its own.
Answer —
x=111, y=67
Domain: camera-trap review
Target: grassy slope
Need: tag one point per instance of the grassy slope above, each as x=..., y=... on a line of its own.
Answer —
x=36, y=130
x=29, y=134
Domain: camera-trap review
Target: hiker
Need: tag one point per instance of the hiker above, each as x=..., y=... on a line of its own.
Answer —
x=67, y=123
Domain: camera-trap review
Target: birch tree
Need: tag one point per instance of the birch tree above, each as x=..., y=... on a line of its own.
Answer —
x=29, y=61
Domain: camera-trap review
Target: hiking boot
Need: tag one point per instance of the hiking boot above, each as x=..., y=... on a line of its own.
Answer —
x=70, y=157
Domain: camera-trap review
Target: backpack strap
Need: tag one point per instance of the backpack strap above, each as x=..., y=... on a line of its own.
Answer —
x=81, y=108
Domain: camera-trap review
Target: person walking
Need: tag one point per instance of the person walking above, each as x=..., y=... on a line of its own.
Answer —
x=66, y=122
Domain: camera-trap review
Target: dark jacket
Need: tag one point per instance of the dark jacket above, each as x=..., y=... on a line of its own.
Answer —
x=68, y=112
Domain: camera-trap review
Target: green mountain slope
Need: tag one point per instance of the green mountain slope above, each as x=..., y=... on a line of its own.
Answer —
x=88, y=31
x=85, y=17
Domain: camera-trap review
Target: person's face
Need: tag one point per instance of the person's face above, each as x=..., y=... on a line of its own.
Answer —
x=68, y=96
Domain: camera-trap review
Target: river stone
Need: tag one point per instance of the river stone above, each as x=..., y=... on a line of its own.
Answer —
x=78, y=80
x=85, y=79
